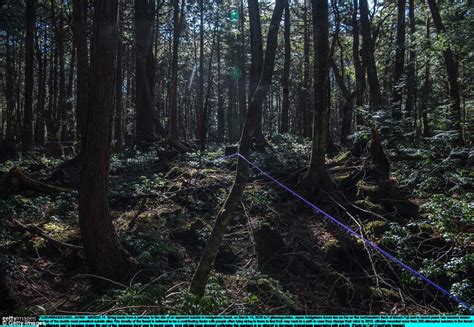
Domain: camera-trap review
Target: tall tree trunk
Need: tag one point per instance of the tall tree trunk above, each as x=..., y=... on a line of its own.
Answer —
x=358, y=67
x=411, y=73
x=321, y=95
x=67, y=133
x=144, y=104
x=30, y=21
x=306, y=111
x=53, y=116
x=286, y=72
x=452, y=71
x=80, y=39
x=426, y=89
x=118, y=122
x=40, y=108
x=105, y=256
x=198, y=283
x=231, y=121
x=10, y=93
x=399, y=62
x=242, y=82
x=256, y=64
x=62, y=78
x=173, y=97
x=220, y=94
x=205, y=112
x=368, y=49
x=200, y=88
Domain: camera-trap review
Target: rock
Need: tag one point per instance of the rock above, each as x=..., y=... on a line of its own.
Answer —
x=270, y=248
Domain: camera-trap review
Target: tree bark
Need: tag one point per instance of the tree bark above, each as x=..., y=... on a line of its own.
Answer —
x=319, y=143
x=173, y=100
x=368, y=49
x=118, y=121
x=358, y=67
x=200, y=82
x=286, y=72
x=256, y=63
x=30, y=21
x=198, y=283
x=144, y=104
x=411, y=66
x=40, y=108
x=399, y=62
x=451, y=69
x=242, y=82
x=105, y=256
x=426, y=89
x=80, y=39
x=220, y=94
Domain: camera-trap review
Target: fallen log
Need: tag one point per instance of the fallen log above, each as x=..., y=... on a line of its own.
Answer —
x=38, y=232
x=17, y=181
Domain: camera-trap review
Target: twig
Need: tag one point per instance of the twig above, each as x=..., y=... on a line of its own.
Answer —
x=103, y=278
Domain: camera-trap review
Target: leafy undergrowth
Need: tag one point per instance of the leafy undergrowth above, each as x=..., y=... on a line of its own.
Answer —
x=163, y=211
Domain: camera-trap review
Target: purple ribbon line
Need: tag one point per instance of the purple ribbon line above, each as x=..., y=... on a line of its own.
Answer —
x=354, y=233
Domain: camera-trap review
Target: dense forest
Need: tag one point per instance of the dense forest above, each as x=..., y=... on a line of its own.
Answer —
x=236, y=157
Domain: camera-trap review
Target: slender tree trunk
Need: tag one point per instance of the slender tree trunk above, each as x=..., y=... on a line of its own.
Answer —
x=321, y=95
x=144, y=104
x=105, y=256
x=368, y=57
x=286, y=72
x=452, y=71
x=256, y=64
x=205, y=111
x=411, y=73
x=358, y=67
x=118, y=123
x=198, y=283
x=200, y=89
x=53, y=116
x=399, y=62
x=67, y=133
x=220, y=94
x=30, y=21
x=62, y=79
x=173, y=97
x=42, y=69
x=10, y=93
x=426, y=89
x=306, y=111
x=242, y=82
x=80, y=39
x=231, y=123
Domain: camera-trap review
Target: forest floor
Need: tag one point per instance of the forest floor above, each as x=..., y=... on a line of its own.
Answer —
x=163, y=209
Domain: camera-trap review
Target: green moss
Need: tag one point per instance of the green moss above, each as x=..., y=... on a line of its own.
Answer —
x=376, y=228
x=334, y=249
x=270, y=291
x=383, y=293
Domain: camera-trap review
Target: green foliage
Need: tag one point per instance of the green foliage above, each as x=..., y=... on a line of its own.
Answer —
x=258, y=199
x=264, y=289
x=449, y=214
x=215, y=299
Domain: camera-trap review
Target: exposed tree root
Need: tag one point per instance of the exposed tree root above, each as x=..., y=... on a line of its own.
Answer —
x=16, y=181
